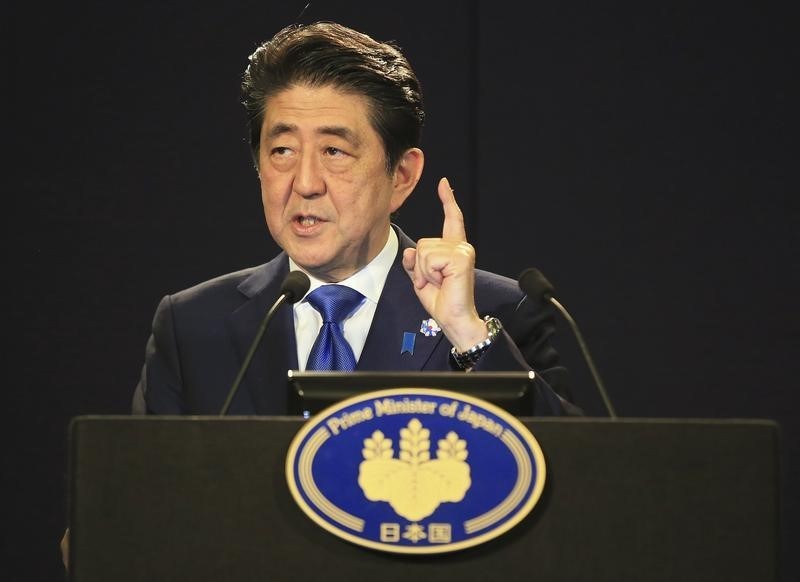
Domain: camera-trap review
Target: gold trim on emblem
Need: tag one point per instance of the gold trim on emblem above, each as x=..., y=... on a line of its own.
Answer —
x=313, y=492
x=346, y=521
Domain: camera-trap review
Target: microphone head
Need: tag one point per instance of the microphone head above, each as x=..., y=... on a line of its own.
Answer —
x=295, y=286
x=535, y=285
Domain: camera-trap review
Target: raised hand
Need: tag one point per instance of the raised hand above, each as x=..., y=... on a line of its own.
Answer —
x=443, y=273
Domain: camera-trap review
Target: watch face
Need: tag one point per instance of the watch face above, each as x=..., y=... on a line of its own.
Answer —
x=494, y=326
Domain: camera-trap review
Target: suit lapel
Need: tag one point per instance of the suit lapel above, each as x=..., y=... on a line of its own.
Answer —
x=266, y=378
x=399, y=312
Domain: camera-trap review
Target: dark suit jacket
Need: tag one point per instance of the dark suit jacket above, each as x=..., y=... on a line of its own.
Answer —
x=200, y=337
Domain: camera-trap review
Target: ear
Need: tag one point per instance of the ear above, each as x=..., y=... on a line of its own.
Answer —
x=406, y=175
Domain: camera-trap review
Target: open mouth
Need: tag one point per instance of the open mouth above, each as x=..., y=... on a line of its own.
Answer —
x=308, y=223
x=308, y=220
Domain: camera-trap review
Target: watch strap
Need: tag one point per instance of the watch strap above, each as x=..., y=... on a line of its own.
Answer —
x=468, y=358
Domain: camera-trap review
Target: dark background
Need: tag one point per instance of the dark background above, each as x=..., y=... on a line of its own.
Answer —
x=644, y=157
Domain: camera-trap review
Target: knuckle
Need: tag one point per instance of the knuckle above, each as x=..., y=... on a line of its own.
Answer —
x=466, y=249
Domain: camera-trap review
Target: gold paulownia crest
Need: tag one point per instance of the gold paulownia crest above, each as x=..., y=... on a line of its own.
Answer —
x=414, y=485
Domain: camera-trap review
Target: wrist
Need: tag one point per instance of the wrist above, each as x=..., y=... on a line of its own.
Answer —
x=465, y=333
x=467, y=358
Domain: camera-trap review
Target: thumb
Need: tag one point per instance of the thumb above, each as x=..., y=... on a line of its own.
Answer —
x=410, y=266
x=409, y=260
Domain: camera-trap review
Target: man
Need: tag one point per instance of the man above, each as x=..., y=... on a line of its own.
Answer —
x=335, y=120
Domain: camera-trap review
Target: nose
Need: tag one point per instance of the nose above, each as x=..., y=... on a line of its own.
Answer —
x=308, y=181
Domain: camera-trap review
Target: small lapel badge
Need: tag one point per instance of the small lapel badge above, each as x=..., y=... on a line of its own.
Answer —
x=408, y=343
x=429, y=328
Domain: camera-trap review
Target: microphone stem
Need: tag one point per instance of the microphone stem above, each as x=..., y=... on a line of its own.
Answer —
x=253, y=347
x=587, y=356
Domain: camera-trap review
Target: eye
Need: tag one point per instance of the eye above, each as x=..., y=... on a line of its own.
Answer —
x=280, y=151
x=334, y=152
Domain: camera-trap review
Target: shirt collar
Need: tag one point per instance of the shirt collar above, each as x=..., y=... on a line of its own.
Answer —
x=369, y=281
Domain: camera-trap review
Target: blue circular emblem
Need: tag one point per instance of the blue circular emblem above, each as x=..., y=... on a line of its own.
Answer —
x=415, y=471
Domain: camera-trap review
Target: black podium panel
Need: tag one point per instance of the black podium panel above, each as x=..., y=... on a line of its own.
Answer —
x=205, y=499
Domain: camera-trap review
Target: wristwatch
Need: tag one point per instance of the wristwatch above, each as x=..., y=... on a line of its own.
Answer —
x=468, y=358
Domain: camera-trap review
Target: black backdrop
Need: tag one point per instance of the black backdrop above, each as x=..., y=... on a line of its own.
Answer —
x=642, y=156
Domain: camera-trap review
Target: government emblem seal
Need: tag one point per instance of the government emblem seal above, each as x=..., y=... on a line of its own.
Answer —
x=415, y=470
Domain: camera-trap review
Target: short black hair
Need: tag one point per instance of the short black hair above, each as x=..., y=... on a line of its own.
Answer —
x=329, y=54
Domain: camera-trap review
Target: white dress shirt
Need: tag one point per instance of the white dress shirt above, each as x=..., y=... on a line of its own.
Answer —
x=369, y=281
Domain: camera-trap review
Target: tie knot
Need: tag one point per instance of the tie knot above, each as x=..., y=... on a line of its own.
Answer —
x=334, y=302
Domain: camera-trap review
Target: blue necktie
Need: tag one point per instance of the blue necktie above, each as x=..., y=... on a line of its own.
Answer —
x=331, y=350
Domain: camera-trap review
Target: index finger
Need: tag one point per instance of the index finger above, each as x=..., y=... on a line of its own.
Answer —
x=453, y=227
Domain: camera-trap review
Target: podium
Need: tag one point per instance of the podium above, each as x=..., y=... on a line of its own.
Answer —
x=205, y=499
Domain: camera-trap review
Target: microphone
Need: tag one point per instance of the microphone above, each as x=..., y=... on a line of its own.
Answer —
x=293, y=288
x=534, y=284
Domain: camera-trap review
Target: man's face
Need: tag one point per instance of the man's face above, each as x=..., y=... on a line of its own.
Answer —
x=327, y=195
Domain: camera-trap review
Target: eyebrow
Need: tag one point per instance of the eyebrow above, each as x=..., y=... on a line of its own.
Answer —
x=335, y=130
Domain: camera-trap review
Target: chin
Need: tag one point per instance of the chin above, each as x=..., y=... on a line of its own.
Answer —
x=311, y=262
